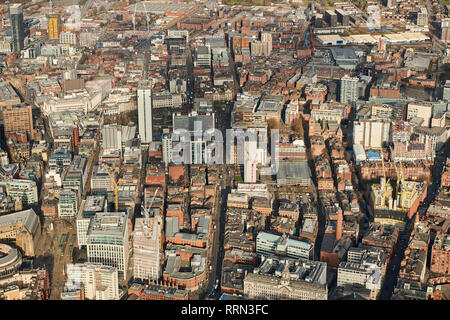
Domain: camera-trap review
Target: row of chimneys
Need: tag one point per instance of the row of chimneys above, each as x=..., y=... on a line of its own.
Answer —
x=170, y=284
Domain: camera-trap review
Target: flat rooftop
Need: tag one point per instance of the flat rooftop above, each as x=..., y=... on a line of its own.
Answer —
x=293, y=170
x=108, y=224
x=159, y=7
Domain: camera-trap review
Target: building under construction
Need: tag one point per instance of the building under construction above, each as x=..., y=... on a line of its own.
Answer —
x=395, y=205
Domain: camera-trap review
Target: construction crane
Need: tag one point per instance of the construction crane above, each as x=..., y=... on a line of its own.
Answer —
x=401, y=178
x=398, y=173
x=134, y=19
x=253, y=166
x=113, y=179
x=147, y=18
x=385, y=183
x=151, y=202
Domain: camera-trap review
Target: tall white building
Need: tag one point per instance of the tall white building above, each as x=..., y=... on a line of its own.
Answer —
x=433, y=138
x=349, y=89
x=445, y=30
x=236, y=153
x=367, y=275
x=250, y=161
x=68, y=37
x=88, y=209
x=98, y=282
x=146, y=244
x=144, y=97
x=371, y=134
x=420, y=110
x=167, y=149
x=196, y=125
x=202, y=56
x=107, y=240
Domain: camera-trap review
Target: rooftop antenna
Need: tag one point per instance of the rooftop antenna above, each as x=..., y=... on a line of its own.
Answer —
x=253, y=162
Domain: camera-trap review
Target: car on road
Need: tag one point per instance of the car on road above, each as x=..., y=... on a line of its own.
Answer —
x=211, y=294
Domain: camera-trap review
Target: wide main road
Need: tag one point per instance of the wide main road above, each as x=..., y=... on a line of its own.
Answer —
x=218, y=240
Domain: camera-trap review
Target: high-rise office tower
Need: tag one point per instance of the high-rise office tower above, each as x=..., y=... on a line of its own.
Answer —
x=349, y=89
x=54, y=26
x=107, y=240
x=256, y=48
x=250, y=161
x=167, y=148
x=266, y=39
x=146, y=244
x=17, y=29
x=144, y=97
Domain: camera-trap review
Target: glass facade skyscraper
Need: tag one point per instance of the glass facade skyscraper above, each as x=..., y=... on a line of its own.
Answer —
x=17, y=29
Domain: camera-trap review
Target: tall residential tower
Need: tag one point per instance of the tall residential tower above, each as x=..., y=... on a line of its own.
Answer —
x=17, y=29
x=146, y=248
x=144, y=97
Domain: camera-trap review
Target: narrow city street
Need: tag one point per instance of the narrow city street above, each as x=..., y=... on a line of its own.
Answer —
x=399, y=251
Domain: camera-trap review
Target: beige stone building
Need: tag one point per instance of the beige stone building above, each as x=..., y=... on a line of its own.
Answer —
x=292, y=279
x=23, y=227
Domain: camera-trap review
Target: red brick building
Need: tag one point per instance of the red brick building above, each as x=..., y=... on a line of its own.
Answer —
x=440, y=255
